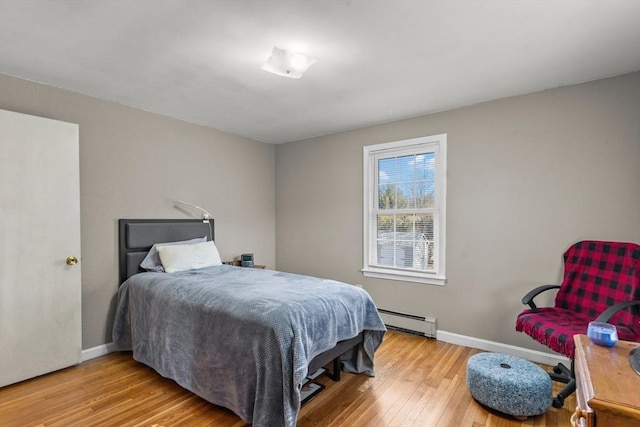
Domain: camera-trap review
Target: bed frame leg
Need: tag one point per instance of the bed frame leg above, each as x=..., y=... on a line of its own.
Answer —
x=336, y=369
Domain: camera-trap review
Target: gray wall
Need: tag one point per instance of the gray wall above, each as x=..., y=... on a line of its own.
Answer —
x=527, y=177
x=133, y=164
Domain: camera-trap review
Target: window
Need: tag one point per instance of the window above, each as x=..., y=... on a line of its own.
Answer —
x=404, y=209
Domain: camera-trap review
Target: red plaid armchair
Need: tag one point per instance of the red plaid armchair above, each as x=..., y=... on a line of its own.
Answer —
x=601, y=283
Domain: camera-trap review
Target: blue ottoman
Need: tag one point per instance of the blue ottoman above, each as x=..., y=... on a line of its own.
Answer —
x=509, y=384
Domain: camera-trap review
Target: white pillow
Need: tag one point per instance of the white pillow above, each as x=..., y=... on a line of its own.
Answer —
x=189, y=257
x=152, y=261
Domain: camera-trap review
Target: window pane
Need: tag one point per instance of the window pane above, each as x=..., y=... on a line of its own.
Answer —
x=387, y=196
x=425, y=194
x=404, y=190
x=385, y=226
x=385, y=253
x=431, y=250
x=405, y=196
x=406, y=182
x=425, y=180
x=405, y=177
x=425, y=166
x=404, y=225
x=387, y=171
x=406, y=169
x=421, y=258
x=424, y=226
x=404, y=254
x=425, y=242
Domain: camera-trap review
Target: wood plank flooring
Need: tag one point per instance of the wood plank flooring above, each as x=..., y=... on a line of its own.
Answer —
x=419, y=382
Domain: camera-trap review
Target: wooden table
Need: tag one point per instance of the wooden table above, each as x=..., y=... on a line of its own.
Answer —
x=607, y=388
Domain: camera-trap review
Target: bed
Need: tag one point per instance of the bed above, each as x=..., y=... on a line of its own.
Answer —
x=241, y=338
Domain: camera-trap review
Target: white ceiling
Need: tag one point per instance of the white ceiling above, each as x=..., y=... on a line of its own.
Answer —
x=378, y=61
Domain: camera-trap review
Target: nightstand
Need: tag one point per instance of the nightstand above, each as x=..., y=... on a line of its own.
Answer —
x=607, y=388
x=237, y=264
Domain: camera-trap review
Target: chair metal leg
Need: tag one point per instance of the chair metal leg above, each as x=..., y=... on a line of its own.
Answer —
x=567, y=376
x=561, y=378
x=558, y=401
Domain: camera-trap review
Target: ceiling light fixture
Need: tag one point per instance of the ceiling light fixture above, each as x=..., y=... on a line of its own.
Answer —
x=287, y=64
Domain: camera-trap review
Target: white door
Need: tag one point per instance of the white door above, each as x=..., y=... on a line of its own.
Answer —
x=40, y=306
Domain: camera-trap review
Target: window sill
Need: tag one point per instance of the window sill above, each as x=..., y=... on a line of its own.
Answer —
x=404, y=276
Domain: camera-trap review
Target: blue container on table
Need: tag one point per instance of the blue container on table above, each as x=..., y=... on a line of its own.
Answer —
x=602, y=333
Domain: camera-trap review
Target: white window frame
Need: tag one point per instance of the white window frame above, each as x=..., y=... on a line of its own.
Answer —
x=436, y=144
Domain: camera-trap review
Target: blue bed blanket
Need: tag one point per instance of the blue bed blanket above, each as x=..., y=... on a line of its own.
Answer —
x=242, y=338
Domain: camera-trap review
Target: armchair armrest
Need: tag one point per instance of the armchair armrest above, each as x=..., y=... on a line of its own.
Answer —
x=528, y=298
x=606, y=315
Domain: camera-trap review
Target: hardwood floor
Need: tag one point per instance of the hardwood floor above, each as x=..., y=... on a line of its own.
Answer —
x=419, y=382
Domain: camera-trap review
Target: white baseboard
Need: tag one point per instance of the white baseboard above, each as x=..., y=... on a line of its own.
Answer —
x=532, y=355
x=450, y=337
x=100, y=350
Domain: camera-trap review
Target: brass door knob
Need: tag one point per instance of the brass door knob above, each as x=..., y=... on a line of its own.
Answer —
x=71, y=260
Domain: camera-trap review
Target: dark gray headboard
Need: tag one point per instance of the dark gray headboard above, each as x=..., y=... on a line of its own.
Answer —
x=138, y=235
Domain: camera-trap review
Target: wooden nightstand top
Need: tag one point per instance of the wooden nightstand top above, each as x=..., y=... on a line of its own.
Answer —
x=605, y=378
x=254, y=266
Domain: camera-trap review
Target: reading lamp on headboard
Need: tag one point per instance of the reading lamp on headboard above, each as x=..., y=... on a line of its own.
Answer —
x=206, y=216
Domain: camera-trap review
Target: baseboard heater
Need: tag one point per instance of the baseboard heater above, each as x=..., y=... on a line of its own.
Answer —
x=409, y=323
